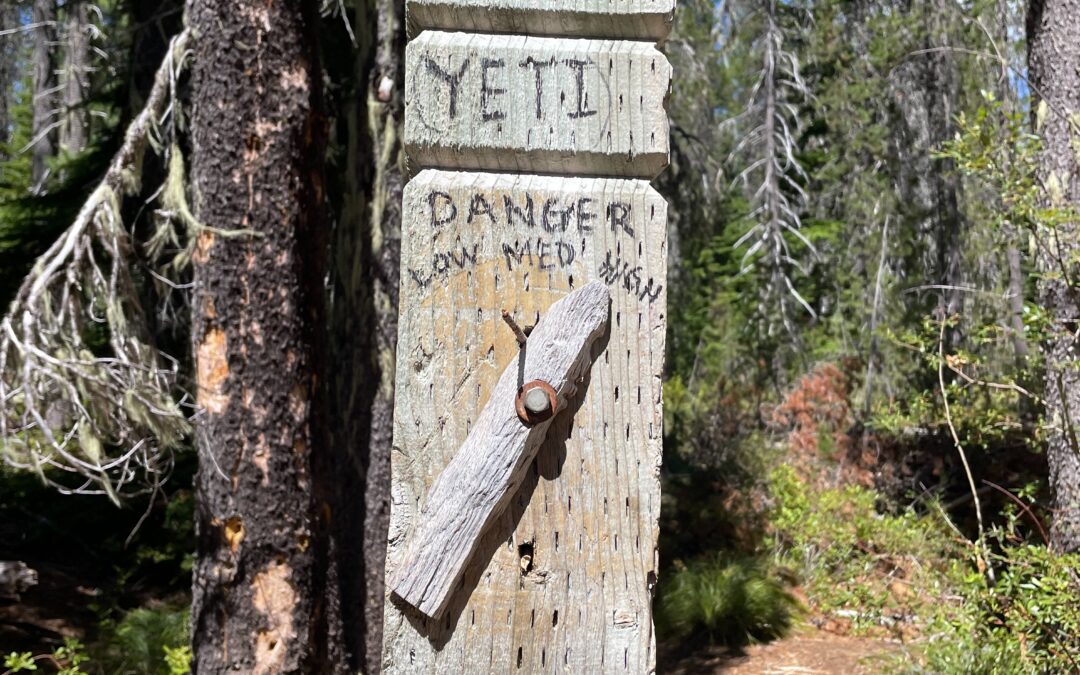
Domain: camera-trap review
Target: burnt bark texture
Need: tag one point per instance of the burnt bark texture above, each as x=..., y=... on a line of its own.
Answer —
x=43, y=85
x=365, y=253
x=266, y=597
x=1053, y=28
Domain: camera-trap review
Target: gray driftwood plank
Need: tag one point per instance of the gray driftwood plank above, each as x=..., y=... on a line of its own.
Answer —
x=476, y=486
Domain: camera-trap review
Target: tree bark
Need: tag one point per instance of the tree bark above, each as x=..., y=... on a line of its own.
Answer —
x=1016, y=300
x=43, y=15
x=927, y=92
x=73, y=130
x=1053, y=29
x=942, y=93
x=266, y=596
x=363, y=316
x=1014, y=259
x=9, y=48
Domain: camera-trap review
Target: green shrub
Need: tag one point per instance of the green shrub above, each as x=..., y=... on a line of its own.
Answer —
x=944, y=655
x=725, y=601
x=145, y=641
x=1026, y=621
x=178, y=660
x=65, y=660
x=850, y=556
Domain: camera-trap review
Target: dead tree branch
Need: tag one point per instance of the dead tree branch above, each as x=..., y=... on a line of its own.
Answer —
x=83, y=390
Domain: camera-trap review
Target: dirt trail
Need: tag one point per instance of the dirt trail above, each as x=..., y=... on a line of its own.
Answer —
x=810, y=654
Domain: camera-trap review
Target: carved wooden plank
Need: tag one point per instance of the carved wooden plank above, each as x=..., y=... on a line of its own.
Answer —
x=562, y=582
x=632, y=19
x=516, y=103
x=479, y=481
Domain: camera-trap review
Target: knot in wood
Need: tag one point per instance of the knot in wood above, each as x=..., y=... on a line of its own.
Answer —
x=536, y=402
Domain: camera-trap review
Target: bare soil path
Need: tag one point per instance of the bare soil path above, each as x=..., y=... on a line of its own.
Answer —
x=807, y=654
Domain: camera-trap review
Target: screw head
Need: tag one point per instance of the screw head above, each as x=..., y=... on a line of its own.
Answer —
x=536, y=402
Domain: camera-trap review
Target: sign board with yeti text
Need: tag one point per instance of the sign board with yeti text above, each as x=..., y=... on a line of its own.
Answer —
x=531, y=159
x=516, y=103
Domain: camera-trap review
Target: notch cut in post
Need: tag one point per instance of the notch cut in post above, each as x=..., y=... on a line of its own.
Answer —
x=478, y=483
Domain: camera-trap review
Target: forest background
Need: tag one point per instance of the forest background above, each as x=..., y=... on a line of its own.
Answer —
x=867, y=257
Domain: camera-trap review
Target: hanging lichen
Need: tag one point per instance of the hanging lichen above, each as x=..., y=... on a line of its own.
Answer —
x=84, y=391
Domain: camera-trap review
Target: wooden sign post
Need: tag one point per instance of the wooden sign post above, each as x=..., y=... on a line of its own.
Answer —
x=519, y=542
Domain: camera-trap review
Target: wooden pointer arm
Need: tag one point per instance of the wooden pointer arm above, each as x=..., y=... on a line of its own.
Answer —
x=478, y=483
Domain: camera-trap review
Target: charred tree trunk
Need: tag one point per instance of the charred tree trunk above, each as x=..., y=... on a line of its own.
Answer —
x=363, y=318
x=73, y=130
x=1053, y=30
x=265, y=587
x=43, y=84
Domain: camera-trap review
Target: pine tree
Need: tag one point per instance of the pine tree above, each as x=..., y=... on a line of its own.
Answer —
x=9, y=50
x=363, y=310
x=1053, y=28
x=73, y=79
x=44, y=90
x=265, y=591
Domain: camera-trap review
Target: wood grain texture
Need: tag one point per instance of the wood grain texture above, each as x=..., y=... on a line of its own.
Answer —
x=563, y=580
x=542, y=105
x=630, y=19
x=479, y=481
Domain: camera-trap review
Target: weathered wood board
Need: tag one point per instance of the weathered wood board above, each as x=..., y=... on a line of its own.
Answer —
x=631, y=19
x=563, y=580
x=542, y=105
x=483, y=475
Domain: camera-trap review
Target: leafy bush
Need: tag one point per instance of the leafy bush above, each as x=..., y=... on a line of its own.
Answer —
x=178, y=660
x=146, y=642
x=907, y=572
x=1026, y=621
x=848, y=553
x=64, y=660
x=726, y=601
x=876, y=567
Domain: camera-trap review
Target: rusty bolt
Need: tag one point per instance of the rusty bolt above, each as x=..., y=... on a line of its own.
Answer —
x=536, y=402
